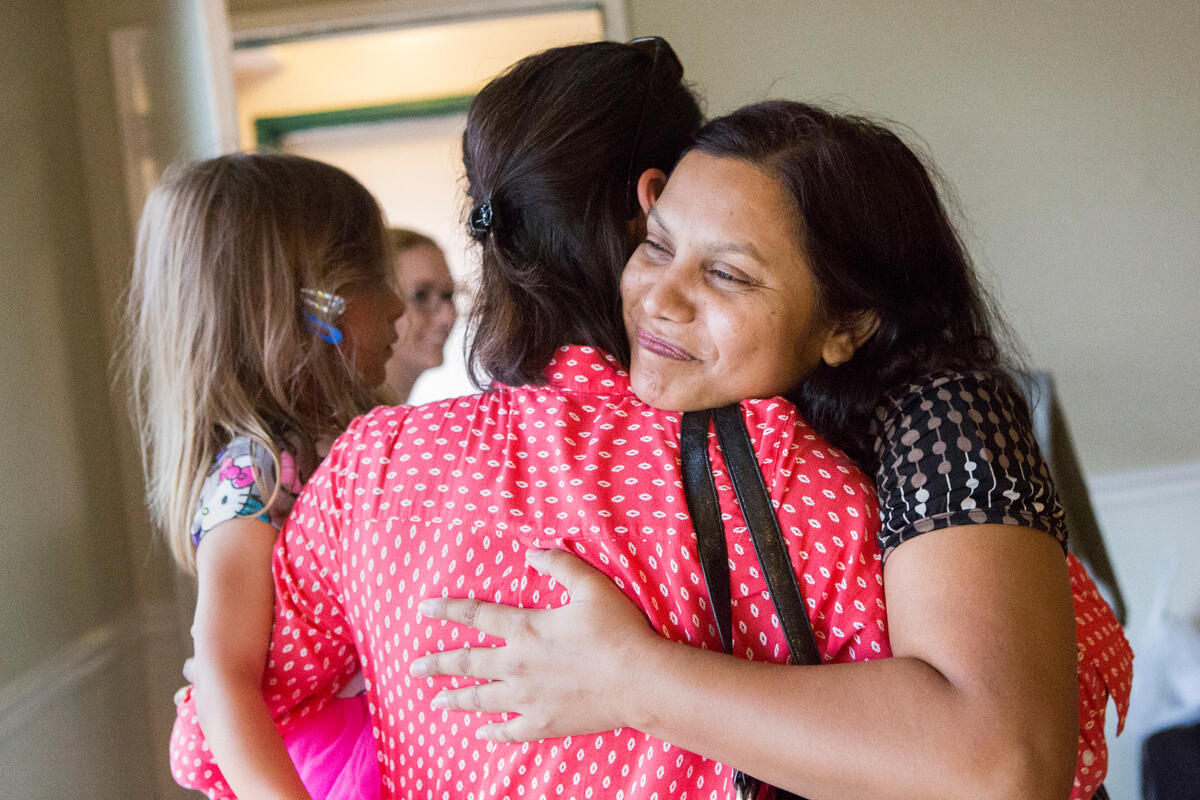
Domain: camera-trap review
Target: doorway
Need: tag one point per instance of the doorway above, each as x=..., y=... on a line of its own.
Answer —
x=386, y=101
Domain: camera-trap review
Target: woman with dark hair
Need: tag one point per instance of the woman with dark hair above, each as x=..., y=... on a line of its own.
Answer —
x=791, y=231
x=558, y=453
x=552, y=156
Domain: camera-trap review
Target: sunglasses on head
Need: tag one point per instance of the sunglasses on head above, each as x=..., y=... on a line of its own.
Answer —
x=662, y=58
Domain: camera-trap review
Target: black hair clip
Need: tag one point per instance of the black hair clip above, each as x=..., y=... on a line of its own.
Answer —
x=480, y=221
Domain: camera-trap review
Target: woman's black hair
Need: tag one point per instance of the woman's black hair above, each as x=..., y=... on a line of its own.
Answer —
x=548, y=149
x=878, y=239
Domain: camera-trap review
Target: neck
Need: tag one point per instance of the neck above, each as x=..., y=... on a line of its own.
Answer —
x=401, y=382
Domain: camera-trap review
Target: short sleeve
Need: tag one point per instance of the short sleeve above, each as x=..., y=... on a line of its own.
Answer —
x=956, y=449
x=240, y=476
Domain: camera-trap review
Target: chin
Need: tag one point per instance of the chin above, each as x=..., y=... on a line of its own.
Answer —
x=652, y=394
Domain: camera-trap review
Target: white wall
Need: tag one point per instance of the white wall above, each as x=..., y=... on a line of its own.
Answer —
x=1151, y=520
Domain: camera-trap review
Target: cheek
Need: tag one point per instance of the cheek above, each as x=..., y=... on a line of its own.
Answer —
x=632, y=285
x=758, y=352
x=738, y=332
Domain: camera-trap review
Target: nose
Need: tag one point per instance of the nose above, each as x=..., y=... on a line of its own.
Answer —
x=667, y=297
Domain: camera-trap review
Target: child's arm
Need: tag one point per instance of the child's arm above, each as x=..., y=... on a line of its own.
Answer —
x=235, y=608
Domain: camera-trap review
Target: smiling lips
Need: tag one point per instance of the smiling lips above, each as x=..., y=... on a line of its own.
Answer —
x=660, y=347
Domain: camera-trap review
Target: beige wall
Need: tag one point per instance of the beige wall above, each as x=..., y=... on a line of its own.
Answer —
x=94, y=628
x=70, y=672
x=392, y=66
x=1069, y=131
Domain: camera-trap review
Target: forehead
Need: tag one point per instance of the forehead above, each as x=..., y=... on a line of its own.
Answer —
x=726, y=199
x=423, y=263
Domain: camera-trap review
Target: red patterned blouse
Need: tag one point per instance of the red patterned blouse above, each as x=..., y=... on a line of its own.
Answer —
x=445, y=499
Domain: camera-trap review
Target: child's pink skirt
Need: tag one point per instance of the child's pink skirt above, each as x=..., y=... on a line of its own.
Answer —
x=334, y=751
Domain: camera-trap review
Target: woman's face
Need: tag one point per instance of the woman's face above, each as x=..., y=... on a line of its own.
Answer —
x=368, y=328
x=720, y=303
x=429, y=294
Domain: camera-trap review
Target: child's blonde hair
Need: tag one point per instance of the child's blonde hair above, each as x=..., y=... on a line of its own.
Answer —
x=217, y=340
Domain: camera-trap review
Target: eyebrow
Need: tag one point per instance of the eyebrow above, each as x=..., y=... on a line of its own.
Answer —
x=743, y=248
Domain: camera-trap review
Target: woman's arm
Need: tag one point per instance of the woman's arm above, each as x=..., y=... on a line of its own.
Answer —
x=232, y=629
x=978, y=702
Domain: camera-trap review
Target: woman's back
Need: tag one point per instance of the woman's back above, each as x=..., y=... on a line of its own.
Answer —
x=450, y=495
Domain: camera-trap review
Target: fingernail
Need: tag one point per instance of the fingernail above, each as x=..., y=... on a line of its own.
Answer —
x=534, y=556
x=440, y=700
x=425, y=608
x=483, y=733
x=419, y=669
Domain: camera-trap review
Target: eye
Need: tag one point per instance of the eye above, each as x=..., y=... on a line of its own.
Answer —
x=721, y=274
x=656, y=249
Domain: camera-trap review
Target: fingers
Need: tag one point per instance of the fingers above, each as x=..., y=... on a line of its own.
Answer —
x=514, y=730
x=491, y=698
x=489, y=618
x=469, y=662
x=494, y=698
x=567, y=568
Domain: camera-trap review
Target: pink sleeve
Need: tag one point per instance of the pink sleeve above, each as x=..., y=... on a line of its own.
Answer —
x=192, y=764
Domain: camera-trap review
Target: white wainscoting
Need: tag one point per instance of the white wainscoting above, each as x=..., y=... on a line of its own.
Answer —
x=1150, y=520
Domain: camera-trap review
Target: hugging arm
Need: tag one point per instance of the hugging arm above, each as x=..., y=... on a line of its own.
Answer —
x=978, y=701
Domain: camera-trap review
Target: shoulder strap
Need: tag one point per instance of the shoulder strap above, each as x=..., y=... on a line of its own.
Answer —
x=701, y=496
x=764, y=530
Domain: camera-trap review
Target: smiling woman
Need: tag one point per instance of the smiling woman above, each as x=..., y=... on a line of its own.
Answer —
x=430, y=311
x=719, y=303
x=794, y=251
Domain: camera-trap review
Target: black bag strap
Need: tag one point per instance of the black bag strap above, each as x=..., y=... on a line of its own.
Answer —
x=764, y=530
x=700, y=494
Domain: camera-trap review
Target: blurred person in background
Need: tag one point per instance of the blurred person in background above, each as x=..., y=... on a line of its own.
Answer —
x=428, y=291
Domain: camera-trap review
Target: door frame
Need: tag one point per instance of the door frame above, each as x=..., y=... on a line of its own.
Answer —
x=253, y=27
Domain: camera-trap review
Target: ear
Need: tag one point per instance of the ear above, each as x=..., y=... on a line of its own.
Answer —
x=649, y=187
x=847, y=337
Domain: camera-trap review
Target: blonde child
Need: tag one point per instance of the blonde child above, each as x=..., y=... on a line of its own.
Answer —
x=261, y=316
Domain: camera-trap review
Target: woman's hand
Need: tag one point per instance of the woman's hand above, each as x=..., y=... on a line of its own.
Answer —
x=566, y=671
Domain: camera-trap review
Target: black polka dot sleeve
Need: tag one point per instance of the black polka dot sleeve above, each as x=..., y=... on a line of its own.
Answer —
x=952, y=451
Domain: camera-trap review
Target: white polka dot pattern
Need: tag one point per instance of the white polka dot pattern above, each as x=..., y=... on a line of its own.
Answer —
x=445, y=499
x=953, y=450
